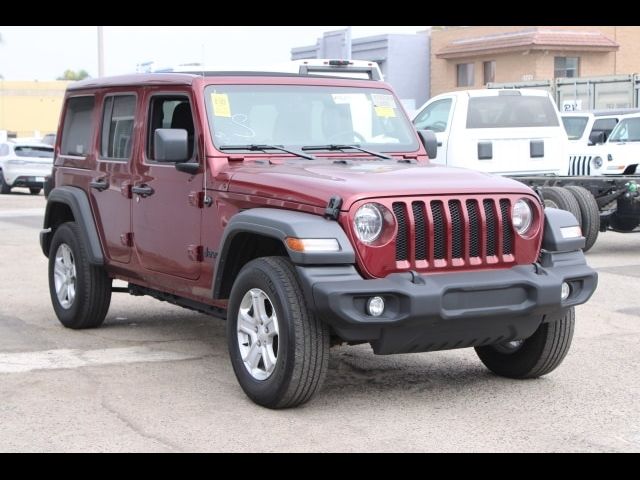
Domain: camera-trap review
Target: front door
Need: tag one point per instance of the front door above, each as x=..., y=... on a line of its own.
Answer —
x=110, y=185
x=167, y=218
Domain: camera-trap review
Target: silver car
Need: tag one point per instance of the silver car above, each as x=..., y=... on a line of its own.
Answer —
x=24, y=164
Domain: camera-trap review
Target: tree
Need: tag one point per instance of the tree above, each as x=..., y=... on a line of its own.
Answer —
x=73, y=75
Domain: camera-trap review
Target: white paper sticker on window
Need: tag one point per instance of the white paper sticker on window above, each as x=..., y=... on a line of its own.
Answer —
x=383, y=100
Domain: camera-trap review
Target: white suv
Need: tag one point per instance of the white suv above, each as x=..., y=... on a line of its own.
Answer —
x=24, y=164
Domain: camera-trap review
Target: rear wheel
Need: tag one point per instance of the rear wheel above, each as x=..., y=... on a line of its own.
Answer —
x=532, y=357
x=558, y=197
x=590, y=214
x=80, y=292
x=35, y=191
x=4, y=186
x=279, y=350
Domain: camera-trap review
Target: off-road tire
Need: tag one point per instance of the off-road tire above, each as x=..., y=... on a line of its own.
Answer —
x=303, y=346
x=537, y=355
x=590, y=214
x=93, y=285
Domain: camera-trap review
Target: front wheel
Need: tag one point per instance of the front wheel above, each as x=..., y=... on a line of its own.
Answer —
x=535, y=356
x=279, y=349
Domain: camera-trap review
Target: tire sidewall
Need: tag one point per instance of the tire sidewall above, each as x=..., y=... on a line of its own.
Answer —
x=65, y=235
x=256, y=274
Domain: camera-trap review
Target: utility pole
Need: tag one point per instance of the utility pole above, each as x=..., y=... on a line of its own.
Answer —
x=100, y=53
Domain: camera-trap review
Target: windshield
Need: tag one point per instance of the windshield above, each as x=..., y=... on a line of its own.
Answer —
x=628, y=130
x=507, y=111
x=37, y=152
x=303, y=115
x=575, y=126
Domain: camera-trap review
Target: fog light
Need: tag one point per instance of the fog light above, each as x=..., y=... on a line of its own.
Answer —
x=566, y=291
x=375, y=306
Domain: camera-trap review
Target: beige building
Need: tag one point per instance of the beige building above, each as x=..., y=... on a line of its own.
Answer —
x=30, y=108
x=471, y=57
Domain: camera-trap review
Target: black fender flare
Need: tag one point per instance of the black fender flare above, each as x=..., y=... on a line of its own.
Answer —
x=76, y=199
x=280, y=224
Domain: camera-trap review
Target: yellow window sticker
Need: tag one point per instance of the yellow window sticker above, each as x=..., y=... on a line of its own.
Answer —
x=385, y=112
x=220, y=103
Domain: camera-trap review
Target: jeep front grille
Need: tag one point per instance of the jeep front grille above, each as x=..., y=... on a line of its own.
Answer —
x=579, y=165
x=471, y=232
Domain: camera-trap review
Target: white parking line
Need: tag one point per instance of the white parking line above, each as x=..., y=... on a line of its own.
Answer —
x=68, y=358
x=25, y=212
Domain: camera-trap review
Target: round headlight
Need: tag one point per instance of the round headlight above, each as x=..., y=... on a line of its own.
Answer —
x=597, y=162
x=368, y=222
x=522, y=216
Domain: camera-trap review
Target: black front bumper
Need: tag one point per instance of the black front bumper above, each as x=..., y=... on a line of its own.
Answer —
x=450, y=310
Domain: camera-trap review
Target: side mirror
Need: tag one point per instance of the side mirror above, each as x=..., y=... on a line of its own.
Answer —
x=170, y=145
x=430, y=142
x=597, y=137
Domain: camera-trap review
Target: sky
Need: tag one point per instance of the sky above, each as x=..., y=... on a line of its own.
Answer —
x=44, y=53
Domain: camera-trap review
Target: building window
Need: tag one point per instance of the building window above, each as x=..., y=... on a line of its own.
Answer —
x=566, y=67
x=465, y=74
x=489, y=71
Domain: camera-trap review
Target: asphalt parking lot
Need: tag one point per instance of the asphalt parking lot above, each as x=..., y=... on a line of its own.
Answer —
x=157, y=378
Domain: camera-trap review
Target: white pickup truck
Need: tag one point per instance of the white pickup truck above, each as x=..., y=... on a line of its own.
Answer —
x=497, y=131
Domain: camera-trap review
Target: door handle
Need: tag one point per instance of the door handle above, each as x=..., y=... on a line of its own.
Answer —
x=439, y=144
x=99, y=184
x=143, y=190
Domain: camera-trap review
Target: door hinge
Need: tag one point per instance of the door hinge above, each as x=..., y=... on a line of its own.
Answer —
x=200, y=200
x=127, y=239
x=195, y=252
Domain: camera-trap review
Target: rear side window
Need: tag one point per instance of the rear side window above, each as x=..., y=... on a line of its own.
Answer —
x=117, y=127
x=78, y=126
x=38, y=152
x=508, y=111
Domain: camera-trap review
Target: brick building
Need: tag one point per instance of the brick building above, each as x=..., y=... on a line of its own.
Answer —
x=471, y=57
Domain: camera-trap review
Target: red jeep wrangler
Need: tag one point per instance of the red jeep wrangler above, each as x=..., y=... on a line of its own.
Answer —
x=302, y=209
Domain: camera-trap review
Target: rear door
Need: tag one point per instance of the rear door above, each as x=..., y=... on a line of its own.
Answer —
x=110, y=186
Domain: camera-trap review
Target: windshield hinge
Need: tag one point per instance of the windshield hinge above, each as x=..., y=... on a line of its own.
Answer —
x=332, y=212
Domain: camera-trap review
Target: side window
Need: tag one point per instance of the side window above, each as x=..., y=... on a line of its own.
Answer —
x=434, y=117
x=78, y=127
x=4, y=149
x=170, y=112
x=116, y=140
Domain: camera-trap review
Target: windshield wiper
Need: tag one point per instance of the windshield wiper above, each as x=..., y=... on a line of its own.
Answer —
x=256, y=147
x=333, y=147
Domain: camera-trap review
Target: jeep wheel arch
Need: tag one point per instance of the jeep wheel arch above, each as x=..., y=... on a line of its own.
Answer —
x=66, y=204
x=271, y=227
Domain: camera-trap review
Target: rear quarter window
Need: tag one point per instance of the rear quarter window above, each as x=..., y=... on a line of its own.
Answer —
x=510, y=111
x=78, y=126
